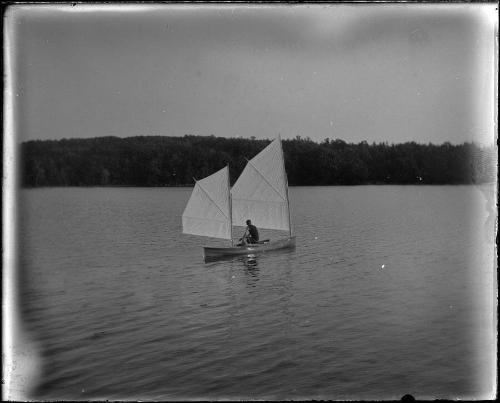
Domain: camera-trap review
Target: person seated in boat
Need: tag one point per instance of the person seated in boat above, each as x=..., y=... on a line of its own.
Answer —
x=252, y=236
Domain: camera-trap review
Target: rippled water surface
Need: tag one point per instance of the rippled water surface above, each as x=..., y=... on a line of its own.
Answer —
x=389, y=291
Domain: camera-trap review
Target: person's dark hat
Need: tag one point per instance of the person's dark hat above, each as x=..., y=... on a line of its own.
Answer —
x=249, y=222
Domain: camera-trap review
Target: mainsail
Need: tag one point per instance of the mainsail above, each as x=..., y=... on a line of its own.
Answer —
x=208, y=212
x=261, y=192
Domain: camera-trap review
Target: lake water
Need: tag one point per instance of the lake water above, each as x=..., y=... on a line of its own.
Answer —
x=390, y=290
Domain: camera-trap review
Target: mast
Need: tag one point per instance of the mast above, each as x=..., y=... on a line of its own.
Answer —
x=288, y=207
x=286, y=186
x=230, y=204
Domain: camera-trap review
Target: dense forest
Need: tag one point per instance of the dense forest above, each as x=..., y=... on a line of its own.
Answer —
x=175, y=161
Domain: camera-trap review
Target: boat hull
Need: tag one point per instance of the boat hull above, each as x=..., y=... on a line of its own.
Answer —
x=250, y=249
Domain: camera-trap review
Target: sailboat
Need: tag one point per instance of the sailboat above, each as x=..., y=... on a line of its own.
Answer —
x=260, y=194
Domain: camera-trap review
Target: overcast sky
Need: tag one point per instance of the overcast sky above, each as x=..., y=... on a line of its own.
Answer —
x=371, y=72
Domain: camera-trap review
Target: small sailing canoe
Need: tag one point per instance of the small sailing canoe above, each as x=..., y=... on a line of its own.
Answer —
x=249, y=249
x=260, y=194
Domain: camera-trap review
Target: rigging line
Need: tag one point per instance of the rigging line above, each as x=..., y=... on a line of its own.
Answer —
x=263, y=177
x=212, y=200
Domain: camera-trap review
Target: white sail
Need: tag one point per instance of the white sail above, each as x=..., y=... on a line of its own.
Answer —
x=208, y=212
x=261, y=192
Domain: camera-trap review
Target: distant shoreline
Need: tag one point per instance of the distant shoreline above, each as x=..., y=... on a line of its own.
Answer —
x=161, y=161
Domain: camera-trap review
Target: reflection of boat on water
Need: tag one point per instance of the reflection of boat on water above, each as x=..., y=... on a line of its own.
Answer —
x=250, y=249
x=251, y=262
x=247, y=260
x=260, y=194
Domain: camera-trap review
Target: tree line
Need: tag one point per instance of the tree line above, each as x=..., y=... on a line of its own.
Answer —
x=175, y=161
